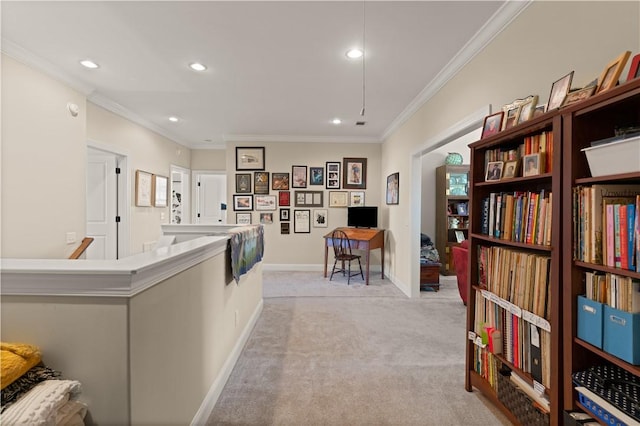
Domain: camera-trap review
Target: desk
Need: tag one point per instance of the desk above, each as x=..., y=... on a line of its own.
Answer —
x=360, y=239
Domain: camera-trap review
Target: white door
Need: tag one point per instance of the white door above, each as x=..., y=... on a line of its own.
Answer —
x=180, y=199
x=211, y=198
x=102, y=205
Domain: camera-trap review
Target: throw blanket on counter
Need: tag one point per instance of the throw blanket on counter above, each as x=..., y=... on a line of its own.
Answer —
x=16, y=359
x=247, y=248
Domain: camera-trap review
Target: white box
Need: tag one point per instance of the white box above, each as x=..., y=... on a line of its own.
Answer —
x=612, y=158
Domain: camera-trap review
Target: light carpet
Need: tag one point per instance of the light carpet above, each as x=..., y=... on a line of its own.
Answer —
x=327, y=353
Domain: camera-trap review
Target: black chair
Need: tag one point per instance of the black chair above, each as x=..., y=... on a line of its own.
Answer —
x=342, y=253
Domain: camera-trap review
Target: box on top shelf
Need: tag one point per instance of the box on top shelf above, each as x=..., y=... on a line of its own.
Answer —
x=618, y=156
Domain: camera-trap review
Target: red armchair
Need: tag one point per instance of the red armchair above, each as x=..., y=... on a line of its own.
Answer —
x=461, y=262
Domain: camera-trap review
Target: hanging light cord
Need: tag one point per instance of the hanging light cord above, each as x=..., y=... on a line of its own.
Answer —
x=364, y=54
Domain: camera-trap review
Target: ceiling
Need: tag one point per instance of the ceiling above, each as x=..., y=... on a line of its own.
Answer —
x=277, y=71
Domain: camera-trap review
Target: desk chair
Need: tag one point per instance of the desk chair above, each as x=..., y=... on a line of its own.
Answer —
x=342, y=253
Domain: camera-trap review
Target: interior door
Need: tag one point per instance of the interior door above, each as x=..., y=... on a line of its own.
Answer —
x=211, y=198
x=102, y=205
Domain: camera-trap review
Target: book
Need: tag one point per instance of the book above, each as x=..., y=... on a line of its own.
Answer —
x=484, y=216
x=631, y=220
x=624, y=236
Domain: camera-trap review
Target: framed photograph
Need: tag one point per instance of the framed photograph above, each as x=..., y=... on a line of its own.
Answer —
x=320, y=218
x=160, y=191
x=242, y=202
x=261, y=182
x=578, y=95
x=284, y=215
x=494, y=171
x=338, y=198
x=302, y=221
x=459, y=236
x=355, y=173
x=393, y=188
x=298, y=176
x=243, y=183
x=333, y=174
x=634, y=70
x=609, y=77
x=279, y=181
x=462, y=209
x=309, y=198
x=531, y=165
x=356, y=198
x=266, y=218
x=540, y=109
x=511, y=112
x=526, y=109
x=284, y=228
x=144, y=183
x=316, y=175
x=243, y=218
x=284, y=198
x=559, y=90
x=249, y=158
x=492, y=125
x=510, y=169
x=265, y=202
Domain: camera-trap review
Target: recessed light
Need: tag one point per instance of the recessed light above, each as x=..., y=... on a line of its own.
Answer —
x=89, y=64
x=354, y=53
x=173, y=119
x=336, y=121
x=197, y=66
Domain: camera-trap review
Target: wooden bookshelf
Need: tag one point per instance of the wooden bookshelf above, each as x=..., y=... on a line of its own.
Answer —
x=452, y=186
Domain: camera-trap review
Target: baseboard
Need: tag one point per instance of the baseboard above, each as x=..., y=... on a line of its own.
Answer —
x=304, y=267
x=210, y=400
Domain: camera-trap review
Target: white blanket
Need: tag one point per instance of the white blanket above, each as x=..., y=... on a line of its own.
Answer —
x=49, y=403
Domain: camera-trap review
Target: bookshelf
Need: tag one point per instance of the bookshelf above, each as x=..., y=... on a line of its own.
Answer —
x=515, y=268
x=591, y=120
x=452, y=212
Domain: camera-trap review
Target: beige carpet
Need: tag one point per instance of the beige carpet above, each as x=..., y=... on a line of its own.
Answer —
x=324, y=353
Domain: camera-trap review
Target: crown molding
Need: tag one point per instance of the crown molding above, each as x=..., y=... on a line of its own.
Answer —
x=300, y=138
x=494, y=26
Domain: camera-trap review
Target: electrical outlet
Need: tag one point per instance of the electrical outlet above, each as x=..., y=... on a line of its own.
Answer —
x=71, y=237
x=161, y=215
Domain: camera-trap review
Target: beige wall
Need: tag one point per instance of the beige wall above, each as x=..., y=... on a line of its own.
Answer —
x=43, y=164
x=545, y=42
x=209, y=159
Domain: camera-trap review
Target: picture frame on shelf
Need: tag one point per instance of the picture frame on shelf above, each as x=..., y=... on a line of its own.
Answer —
x=532, y=164
x=338, y=199
x=301, y=221
x=609, y=77
x=492, y=124
x=578, y=95
x=494, y=171
x=316, y=175
x=355, y=173
x=298, y=176
x=511, y=112
x=160, y=191
x=242, y=202
x=559, y=90
x=284, y=198
x=243, y=183
x=266, y=218
x=243, y=218
x=356, y=199
x=634, y=69
x=250, y=158
x=309, y=198
x=279, y=181
x=284, y=215
x=144, y=185
x=510, y=169
x=462, y=209
x=320, y=218
x=332, y=171
x=539, y=110
x=261, y=182
x=459, y=236
x=265, y=202
x=393, y=188
x=525, y=112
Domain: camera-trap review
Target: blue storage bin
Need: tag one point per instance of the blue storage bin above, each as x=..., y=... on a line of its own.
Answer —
x=590, y=321
x=622, y=334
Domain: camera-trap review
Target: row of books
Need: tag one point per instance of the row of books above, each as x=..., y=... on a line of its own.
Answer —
x=523, y=344
x=614, y=290
x=518, y=216
x=607, y=225
x=541, y=143
x=519, y=277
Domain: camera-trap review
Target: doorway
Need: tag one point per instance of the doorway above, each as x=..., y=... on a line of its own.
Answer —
x=210, y=190
x=180, y=197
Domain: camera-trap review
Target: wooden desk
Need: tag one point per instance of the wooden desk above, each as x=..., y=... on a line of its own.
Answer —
x=360, y=239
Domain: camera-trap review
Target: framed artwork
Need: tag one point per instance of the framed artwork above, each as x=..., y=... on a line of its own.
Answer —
x=609, y=77
x=531, y=165
x=266, y=218
x=355, y=173
x=242, y=202
x=160, y=191
x=261, y=182
x=540, y=109
x=494, y=171
x=302, y=221
x=578, y=95
x=309, y=198
x=333, y=174
x=356, y=198
x=243, y=218
x=511, y=112
x=338, y=199
x=298, y=176
x=144, y=185
x=525, y=112
x=284, y=228
x=492, y=125
x=316, y=175
x=510, y=168
x=284, y=198
x=249, y=158
x=459, y=236
x=265, y=202
x=393, y=187
x=279, y=181
x=559, y=90
x=320, y=218
x=284, y=215
x=462, y=209
x=634, y=70
x=243, y=183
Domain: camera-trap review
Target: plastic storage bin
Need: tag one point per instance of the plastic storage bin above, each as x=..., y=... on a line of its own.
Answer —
x=621, y=156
